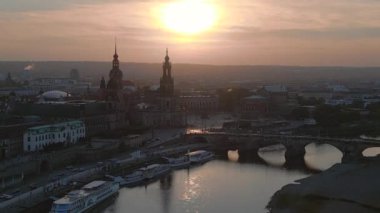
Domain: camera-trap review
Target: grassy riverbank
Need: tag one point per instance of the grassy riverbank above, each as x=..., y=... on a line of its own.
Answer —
x=349, y=188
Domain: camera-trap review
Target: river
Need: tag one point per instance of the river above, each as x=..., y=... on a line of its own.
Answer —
x=230, y=183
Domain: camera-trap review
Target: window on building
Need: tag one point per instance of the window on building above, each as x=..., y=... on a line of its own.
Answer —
x=28, y=139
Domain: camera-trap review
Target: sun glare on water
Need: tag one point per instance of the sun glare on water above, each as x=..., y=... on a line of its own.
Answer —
x=189, y=16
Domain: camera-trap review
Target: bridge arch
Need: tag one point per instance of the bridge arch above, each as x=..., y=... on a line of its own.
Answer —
x=321, y=156
x=273, y=155
x=371, y=152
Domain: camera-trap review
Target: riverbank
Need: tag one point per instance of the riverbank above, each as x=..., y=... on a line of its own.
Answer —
x=95, y=171
x=349, y=188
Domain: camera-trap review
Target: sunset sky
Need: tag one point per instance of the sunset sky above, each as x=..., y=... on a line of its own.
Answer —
x=280, y=32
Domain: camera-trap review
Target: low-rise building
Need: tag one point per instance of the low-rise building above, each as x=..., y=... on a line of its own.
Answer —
x=199, y=103
x=64, y=84
x=255, y=104
x=277, y=94
x=38, y=137
x=11, y=133
x=98, y=116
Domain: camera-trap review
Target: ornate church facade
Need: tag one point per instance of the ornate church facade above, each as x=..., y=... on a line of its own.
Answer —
x=167, y=113
x=112, y=94
x=112, y=91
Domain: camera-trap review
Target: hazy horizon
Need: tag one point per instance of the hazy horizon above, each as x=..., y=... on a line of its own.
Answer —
x=30, y=62
x=194, y=72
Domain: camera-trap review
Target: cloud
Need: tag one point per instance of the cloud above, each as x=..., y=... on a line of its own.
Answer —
x=248, y=31
x=43, y=5
x=239, y=33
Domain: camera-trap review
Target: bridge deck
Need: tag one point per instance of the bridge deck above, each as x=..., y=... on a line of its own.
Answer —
x=290, y=137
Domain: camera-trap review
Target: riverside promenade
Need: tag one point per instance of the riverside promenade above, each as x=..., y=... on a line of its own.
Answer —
x=95, y=171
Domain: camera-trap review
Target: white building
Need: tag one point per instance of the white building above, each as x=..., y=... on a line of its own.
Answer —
x=36, y=138
x=64, y=84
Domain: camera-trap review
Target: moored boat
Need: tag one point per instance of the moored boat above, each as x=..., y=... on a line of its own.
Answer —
x=179, y=162
x=86, y=198
x=200, y=156
x=134, y=178
x=155, y=170
x=121, y=181
x=147, y=173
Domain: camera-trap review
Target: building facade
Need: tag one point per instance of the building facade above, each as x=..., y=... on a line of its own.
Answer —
x=167, y=112
x=255, y=105
x=11, y=134
x=98, y=116
x=277, y=94
x=199, y=103
x=38, y=137
x=64, y=84
x=112, y=90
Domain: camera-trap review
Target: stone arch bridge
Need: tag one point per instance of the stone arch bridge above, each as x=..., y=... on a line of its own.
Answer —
x=352, y=149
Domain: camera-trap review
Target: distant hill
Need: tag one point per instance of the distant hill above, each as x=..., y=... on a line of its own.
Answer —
x=188, y=72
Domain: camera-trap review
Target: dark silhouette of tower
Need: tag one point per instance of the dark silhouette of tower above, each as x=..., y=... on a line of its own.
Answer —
x=166, y=113
x=103, y=84
x=167, y=86
x=167, y=81
x=115, y=82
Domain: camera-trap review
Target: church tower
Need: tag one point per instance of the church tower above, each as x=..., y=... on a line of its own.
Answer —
x=167, y=86
x=115, y=82
x=167, y=81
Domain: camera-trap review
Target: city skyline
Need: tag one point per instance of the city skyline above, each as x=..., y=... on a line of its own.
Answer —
x=318, y=33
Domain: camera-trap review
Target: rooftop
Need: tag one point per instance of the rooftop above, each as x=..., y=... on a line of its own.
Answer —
x=276, y=88
x=255, y=97
x=93, y=184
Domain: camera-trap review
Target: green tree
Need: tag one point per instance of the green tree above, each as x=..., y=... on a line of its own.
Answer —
x=300, y=113
x=230, y=98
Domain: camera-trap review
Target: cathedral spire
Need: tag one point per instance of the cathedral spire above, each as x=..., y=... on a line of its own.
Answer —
x=115, y=47
x=115, y=62
x=167, y=55
x=115, y=55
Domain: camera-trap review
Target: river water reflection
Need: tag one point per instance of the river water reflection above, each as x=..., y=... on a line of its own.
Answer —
x=227, y=184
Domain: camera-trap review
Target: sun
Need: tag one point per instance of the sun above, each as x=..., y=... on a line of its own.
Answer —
x=189, y=16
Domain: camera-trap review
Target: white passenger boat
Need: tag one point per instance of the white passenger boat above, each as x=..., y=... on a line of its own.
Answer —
x=147, y=173
x=134, y=178
x=155, y=170
x=179, y=162
x=121, y=181
x=86, y=198
x=200, y=156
